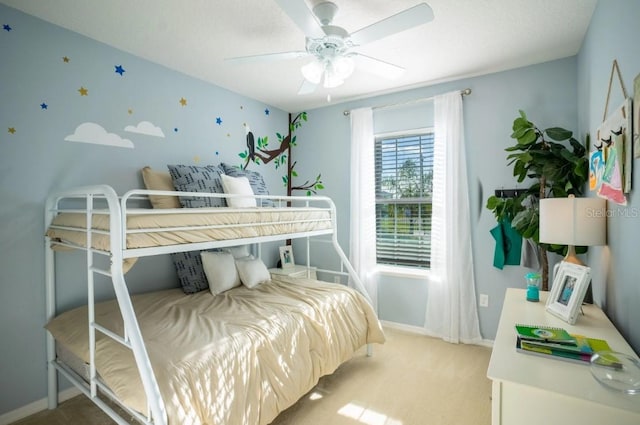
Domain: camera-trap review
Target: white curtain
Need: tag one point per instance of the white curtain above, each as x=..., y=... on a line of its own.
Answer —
x=362, y=243
x=451, y=312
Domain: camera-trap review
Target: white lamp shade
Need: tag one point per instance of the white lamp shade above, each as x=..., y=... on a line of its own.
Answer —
x=573, y=221
x=335, y=71
x=331, y=80
x=312, y=71
x=343, y=67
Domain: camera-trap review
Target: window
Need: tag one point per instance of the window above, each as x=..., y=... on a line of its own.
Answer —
x=404, y=176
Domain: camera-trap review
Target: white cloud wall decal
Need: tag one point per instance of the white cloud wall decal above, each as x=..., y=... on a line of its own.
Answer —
x=89, y=132
x=145, y=127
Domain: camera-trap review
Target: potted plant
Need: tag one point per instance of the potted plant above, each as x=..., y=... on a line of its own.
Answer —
x=557, y=166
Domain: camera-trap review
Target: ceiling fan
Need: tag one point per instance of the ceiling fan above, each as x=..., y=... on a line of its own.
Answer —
x=331, y=46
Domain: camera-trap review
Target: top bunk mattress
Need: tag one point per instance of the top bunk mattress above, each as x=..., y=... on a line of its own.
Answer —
x=187, y=226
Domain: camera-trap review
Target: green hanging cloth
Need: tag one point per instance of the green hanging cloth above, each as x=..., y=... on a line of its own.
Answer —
x=508, y=245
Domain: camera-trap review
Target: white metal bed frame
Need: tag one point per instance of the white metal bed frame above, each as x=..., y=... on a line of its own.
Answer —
x=118, y=210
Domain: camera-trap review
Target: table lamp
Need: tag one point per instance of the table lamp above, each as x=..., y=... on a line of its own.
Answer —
x=573, y=222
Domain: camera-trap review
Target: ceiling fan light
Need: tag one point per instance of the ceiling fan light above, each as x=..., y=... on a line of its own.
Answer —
x=332, y=80
x=312, y=71
x=342, y=67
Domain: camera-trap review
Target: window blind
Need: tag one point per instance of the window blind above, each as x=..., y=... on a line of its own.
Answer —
x=404, y=175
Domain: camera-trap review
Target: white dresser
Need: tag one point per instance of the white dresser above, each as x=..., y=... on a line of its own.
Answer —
x=527, y=389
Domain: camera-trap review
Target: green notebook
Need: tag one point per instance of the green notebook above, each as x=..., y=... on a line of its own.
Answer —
x=564, y=352
x=544, y=333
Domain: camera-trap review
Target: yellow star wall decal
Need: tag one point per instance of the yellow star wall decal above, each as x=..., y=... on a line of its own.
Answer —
x=183, y=101
x=83, y=91
x=12, y=130
x=65, y=59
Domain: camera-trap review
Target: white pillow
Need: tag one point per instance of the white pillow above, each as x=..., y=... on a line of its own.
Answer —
x=252, y=271
x=220, y=269
x=238, y=186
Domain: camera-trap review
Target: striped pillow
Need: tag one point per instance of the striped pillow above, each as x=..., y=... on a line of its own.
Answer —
x=191, y=178
x=190, y=271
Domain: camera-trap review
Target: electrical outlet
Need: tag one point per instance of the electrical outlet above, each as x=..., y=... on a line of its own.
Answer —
x=484, y=300
x=336, y=279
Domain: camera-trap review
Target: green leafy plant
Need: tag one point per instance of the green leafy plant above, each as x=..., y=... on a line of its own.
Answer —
x=556, y=165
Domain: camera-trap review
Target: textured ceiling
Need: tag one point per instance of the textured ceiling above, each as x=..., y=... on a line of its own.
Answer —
x=466, y=38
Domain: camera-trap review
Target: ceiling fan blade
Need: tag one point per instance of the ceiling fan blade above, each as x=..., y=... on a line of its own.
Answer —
x=307, y=87
x=378, y=67
x=302, y=16
x=268, y=57
x=409, y=18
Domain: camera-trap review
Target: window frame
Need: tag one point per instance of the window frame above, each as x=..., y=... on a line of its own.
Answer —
x=398, y=269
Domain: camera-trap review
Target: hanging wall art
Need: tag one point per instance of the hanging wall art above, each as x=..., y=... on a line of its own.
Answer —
x=636, y=117
x=611, y=161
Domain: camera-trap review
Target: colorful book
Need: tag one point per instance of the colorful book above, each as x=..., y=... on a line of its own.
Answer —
x=545, y=334
x=583, y=345
x=565, y=352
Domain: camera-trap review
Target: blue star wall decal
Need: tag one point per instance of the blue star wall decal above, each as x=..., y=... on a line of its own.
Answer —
x=120, y=70
x=43, y=105
x=219, y=121
x=6, y=27
x=266, y=111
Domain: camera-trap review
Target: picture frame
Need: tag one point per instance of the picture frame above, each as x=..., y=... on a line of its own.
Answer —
x=286, y=257
x=567, y=293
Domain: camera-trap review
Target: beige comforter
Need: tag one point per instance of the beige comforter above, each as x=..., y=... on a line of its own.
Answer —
x=237, y=358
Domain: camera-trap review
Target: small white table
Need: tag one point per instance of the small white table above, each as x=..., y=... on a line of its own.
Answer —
x=533, y=390
x=295, y=271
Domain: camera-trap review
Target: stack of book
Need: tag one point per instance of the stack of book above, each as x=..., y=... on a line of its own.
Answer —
x=557, y=343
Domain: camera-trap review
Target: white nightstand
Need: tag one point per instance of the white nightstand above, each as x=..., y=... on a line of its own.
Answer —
x=295, y=271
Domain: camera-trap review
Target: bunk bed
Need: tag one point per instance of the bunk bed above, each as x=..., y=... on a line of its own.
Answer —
x=166, y=357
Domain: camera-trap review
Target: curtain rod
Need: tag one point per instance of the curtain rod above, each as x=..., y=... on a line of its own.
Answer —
x=465, y=92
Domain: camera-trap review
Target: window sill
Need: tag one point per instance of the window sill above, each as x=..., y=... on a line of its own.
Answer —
x=399, y=271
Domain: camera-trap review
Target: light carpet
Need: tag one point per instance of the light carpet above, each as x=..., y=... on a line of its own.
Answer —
x=410, y=380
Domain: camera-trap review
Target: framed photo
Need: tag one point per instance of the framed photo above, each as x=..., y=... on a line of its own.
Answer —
x=286, y=257
x=568, y=290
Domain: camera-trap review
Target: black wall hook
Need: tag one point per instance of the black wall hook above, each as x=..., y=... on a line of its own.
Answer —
x=508, y=193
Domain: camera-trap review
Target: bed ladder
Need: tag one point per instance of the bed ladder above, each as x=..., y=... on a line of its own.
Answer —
x=132, y=339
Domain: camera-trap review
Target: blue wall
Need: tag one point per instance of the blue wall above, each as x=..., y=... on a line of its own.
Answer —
x=36, y=160
x=547, y=92
x=569, y=93
x=613, y=34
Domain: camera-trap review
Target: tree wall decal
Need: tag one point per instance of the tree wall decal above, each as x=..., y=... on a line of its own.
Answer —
x=258, y=152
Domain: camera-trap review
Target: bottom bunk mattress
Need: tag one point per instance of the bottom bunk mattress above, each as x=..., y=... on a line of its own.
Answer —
x=240, y=357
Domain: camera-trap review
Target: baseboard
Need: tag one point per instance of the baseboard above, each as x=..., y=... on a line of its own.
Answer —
x=36, y=406
x=420, y=331
x=403, y=327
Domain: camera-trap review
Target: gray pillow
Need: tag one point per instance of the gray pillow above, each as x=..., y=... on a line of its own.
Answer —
x=192, y=178
x=190, y=272
x=255, y=180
